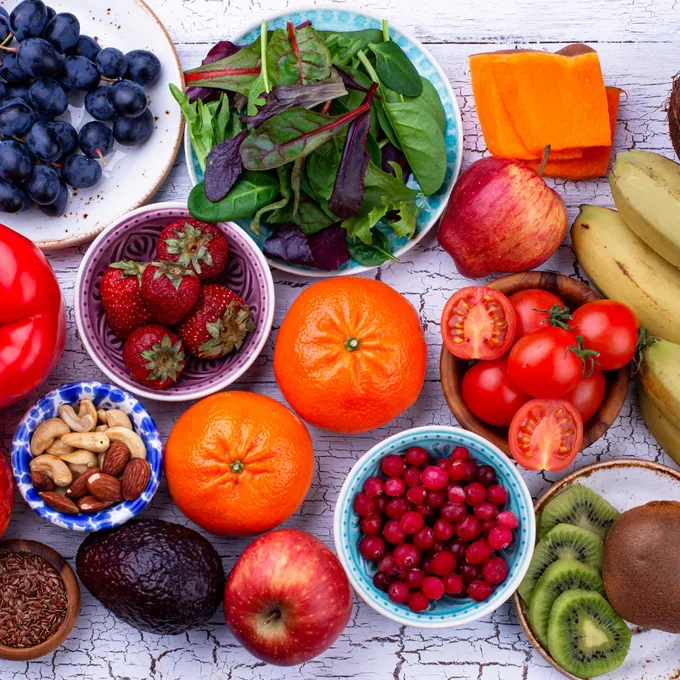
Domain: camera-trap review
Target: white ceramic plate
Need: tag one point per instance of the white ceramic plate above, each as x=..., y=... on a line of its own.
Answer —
x=131, y=175
x=626, y=483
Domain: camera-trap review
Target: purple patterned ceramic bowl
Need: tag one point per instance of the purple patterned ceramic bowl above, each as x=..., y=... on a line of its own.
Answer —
x=134, y=237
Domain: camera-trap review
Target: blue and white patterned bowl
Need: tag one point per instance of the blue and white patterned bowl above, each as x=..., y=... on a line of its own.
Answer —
x=449, y=612
x=103, y=395
x=431, y=207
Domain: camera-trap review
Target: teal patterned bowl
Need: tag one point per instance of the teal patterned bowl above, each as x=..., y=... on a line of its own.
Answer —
x=449, y=612
x=431, y=207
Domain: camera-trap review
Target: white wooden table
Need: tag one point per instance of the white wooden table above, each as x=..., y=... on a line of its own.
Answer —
x=638, y=49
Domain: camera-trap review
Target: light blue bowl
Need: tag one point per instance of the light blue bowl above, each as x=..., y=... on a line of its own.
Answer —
x=103, y=395
x=431, y=207
x=448, y=612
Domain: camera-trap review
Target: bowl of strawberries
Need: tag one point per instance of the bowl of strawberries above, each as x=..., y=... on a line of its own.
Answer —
x=171, y=308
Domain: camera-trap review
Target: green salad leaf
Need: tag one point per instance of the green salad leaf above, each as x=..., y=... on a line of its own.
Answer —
x=396, y=70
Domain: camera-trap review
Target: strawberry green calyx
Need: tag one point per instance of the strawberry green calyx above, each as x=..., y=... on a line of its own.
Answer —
x=130, y=268
x=165, y=360
x=191, y=245
x=228, y=333
x=174, y=271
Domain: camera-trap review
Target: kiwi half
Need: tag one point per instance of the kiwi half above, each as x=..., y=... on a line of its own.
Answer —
x=563, y=575
x=585, y=635
x=580, y=506
x=563, y=541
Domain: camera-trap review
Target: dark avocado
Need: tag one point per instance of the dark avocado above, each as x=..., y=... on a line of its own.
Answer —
x=158, y=577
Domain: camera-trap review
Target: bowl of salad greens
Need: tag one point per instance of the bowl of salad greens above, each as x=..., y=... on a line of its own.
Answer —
x=329, y=135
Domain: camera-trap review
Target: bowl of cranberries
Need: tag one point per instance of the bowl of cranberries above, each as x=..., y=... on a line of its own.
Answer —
x=435, y=527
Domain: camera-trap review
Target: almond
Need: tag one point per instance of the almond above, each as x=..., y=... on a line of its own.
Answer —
x=78, y=487
x=136, y=478
x=41, y=481
x=105, y=487
x=90, y=505
x=115, y=459
x=59, y=503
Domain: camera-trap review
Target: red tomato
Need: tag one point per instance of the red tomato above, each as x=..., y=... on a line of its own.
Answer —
x=546, y=434
x=32, y=317
x=542, y=365
x=588, y=394
x=478, y=323
x=490, y=394
x=610, y=328
x=527, y=304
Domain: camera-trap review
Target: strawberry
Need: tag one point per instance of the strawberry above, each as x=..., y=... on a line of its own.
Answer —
x=155, y=356
x=120, y=289
x=218, y=325
x=194, y=244
x=169, y=291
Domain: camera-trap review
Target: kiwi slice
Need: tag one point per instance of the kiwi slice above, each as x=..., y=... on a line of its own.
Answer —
x=585, y=635
x=560, y=576
x=580, y=506
x=562, y=541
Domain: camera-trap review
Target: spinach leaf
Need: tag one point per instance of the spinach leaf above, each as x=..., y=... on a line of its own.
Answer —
x=298, y=56
x=311, y=218
x=374, y=150
x=344, y=47
x=396, y=70
x=223, y=167
x=252, y=191
x=322, y=166
x=373, y=254
x=431, y=101
x=385, y=124
x=283, y=174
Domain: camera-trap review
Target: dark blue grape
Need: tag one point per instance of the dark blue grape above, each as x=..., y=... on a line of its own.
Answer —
x=43, y=142
x=28, y=202
x=79, y=74
x=96, y=140
x=43, y=185
x=50, y=14
x=28, y=19
x=59, y=206
x=133, y=131
x=20, y=91
x=12, y=198
x=144, y=67
x=15, y=162
x=16, y=117
x=86, y=47
x=10, y=71
x=39, y=59
x=5, y=30
x=4, y=13
x=81, y=172
x=62, y=31
x=3, y=89
x=127, y=98
x=48, y=99
x=68, y=137
x=97, y=104
x=111, y=63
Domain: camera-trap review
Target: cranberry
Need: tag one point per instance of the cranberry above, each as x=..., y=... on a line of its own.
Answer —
x=470, y=572
x=426, y=511
x=497, y=495
x=486, y=475
x=395, y=574
x=398, y=592
x=495, y=570
x=500, y=538
x=386, y=563
x=396, y=507
x=470, y=471
x=418, y=602
x=412, y=522
x=453, y=512
x=373, y=487
x=478, y=552
x=411, y=476
x=443, y=463
x=456, y=493
x=395, y=486
x=480, y=591
x=381, y=504
x=443, y=530
x=363, y=505
x=380, y=580
x=406, y=555
x=457, y=470
x=435, y=499
x=507, y=519
x=453, y=584
x=457, y=547
x=392, y=466
x=433, y=588
x=487, y=526
x=443, y=562
x=370, y=524
x=426, y=566
x=415, y=578
x=485, y=510
x=434, y=478
x=475, y=493
x=417, y=455
x=437, y=548
x=468, y=528
x=393, y=532
x=372, y=548
x=425, y=538
x=416, y=495
x=460, y=453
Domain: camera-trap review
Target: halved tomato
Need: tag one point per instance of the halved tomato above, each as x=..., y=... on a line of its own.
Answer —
x=478, y=323
x=546, y=434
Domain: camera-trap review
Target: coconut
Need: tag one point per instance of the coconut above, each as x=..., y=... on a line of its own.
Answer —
x=674, y=114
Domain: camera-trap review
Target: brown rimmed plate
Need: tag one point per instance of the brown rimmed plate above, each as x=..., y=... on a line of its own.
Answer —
x=625, y=483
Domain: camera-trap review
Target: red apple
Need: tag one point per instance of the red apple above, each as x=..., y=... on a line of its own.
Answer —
x=6, y=493
x=501, y=217
x=287, y=599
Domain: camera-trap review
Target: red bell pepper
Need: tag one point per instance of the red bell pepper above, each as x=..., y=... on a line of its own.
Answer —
x=32, y=317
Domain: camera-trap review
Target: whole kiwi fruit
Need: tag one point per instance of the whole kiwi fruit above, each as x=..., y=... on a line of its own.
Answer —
x=640, y=566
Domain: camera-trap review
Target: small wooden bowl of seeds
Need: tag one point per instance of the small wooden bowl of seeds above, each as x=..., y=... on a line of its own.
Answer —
x=39, y=600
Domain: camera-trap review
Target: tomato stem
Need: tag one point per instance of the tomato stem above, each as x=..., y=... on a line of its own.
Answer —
x=643, y=341
x=588, y=357
x=352, y=344
x=558, y=316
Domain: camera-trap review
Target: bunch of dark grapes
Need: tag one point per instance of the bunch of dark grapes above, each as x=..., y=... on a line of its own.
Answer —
x=41, y=155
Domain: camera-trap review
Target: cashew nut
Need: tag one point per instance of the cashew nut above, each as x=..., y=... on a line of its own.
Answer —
x=101, y=416
x=100, y=460
x=97, y=442
x=77, y=470
x=130, y=438
x=54, y=468
x=101, y=428
x=116, y=418
x=59, y=448
x=86, y=419
x=81, y=457
x=45, y=434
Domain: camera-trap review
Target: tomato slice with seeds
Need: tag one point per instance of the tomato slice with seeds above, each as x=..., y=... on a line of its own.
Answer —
x=546, y=434
x=478, y=323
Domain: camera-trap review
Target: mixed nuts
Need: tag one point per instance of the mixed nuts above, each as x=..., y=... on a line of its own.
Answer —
x=87, y=460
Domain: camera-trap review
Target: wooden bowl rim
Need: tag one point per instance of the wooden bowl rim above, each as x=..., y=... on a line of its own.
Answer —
x=72, y=598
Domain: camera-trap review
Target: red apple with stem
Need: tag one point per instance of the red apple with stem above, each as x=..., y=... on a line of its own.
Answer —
x=287, y=599
x=6, y=493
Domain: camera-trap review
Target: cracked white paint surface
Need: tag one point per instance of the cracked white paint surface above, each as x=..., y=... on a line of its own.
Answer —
x=634, y=42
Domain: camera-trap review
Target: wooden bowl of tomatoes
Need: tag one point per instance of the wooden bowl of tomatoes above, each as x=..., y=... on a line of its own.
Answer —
x=512, y=365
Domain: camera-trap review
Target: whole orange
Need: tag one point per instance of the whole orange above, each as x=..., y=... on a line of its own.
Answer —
x=238, y=463
x=350, y=355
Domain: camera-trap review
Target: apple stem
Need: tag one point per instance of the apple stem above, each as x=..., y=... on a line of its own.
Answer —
x=544, y=162
x=274, y=616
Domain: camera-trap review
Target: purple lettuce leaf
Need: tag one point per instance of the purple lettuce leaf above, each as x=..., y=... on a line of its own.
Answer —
x=223, y=167
x=349, y=82
x=223, y=49
x=390, y=154
x=329, y=248
x=289, y=244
